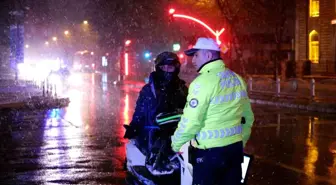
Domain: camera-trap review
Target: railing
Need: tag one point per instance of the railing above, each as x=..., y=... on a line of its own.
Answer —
x=310, y=88
x=48, y=89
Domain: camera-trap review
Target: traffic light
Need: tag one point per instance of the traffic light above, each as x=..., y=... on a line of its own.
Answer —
x=176, y=47
x=147, y=55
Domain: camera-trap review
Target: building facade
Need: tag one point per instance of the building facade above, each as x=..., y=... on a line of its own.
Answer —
x=316, y=35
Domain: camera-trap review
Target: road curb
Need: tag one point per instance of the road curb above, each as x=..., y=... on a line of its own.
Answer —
x=323, y=108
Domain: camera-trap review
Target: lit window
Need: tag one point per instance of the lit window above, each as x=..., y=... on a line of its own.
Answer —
x=314, y=47
x=314, y=8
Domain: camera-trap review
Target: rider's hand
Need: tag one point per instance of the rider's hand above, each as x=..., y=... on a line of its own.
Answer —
x=130, y=132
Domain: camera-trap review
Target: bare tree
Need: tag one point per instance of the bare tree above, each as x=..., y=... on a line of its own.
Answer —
x=277, y=13
x=269, y=15
x=232, y=12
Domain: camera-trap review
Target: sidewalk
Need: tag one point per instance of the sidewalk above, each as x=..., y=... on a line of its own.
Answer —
x=11, y=92
x=26, y=96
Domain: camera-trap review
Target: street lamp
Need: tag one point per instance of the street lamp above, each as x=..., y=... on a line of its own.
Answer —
x=66, y=32
x=85, y=22
x=27, y=46
x=171, y=11
x=128, y=42
x=54, y=38
x=92, y=53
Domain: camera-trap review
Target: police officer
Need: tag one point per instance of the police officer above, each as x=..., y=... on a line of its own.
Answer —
x=216, y=102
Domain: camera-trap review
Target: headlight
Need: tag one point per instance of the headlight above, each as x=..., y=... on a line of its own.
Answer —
x=76, y=79
x=55, y=79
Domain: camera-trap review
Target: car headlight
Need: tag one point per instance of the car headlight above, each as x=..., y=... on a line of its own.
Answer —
x=76, y=79
x=55, y=79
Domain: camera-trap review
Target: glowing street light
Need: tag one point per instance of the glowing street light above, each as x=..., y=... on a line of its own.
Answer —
x=66, y=32
x=92, y=53
x=46, y=43
x=85, y=22
x=54, y=38
x=128, y=42
x=27, y=46
x=176, y=47
x=215, y=33
x=171, y=11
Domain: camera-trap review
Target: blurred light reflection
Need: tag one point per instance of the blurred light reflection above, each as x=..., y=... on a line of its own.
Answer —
x=126, y=110
x=312, y=153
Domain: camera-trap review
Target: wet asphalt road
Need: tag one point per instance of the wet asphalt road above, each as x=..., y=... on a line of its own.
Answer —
x=83, y=144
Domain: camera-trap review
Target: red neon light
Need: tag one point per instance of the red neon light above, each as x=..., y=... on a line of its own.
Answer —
x=216, y=33
x=126, y=64
x=181, y=55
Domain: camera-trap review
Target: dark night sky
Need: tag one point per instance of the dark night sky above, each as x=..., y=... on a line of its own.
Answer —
x=146, y=22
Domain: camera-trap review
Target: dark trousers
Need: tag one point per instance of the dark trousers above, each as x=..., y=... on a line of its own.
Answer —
x=218, y=166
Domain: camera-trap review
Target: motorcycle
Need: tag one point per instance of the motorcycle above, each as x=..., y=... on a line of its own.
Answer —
x=160, y=165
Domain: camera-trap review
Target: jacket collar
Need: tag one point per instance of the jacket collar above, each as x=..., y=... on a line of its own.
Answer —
x=212, y=64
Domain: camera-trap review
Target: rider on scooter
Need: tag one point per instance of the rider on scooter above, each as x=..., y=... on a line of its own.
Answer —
x=165, y=92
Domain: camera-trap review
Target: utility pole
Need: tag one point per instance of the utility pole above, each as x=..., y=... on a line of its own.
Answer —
x=16, y=36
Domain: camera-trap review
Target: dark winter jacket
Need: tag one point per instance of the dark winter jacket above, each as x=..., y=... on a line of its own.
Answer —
x=152, y=101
